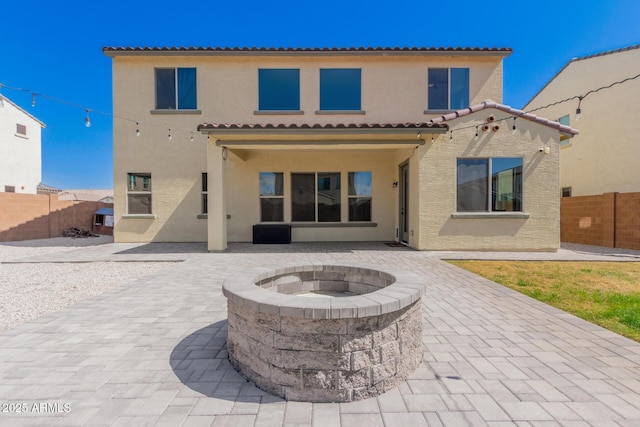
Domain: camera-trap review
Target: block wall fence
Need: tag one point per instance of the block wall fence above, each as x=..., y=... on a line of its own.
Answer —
x=610, y=219
x=41, y=216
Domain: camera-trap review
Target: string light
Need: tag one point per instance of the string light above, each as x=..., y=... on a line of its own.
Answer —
x=87, y=110
x=579, y=110
x=169, y=134
x=433, y=139
x=191, y=136
x=477, y=136
x=514, y=129
x=451, y=136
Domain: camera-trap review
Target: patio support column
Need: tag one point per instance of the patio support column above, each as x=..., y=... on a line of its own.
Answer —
x=217, y=211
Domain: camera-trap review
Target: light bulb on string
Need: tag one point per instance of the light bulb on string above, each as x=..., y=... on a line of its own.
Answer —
x=477, y=136
x=33, y=99
x=514, y=129
x=170, y=134
x=191, y=136
x=87, y=120
x=579, y=110
x=137, y=129
x=451, y=136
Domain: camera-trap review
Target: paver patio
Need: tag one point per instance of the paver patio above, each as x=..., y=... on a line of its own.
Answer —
x=152, y=352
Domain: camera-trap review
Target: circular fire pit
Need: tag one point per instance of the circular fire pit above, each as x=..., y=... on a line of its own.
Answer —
x=325, y=333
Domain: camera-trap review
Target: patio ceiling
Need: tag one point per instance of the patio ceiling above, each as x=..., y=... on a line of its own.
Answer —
x=316, y=136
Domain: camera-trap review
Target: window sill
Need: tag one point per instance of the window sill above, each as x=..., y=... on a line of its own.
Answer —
x=161, y=112
x=438, y=111
x=490, y=215
x=202, y=216
x=139, y=216
x=338, y=112
x=279, y=112
x=332, y=224
x=19, y=135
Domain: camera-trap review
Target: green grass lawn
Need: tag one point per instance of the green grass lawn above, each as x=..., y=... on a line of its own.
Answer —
x=605, y=293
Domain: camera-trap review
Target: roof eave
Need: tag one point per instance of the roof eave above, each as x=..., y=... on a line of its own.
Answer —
x=116, y=52
x=210, y=129
x=520, y=114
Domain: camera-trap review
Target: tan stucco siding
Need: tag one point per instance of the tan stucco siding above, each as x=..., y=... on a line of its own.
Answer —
x=604, y=156
x=540, y=231
x=394, y=89
x=176, y=166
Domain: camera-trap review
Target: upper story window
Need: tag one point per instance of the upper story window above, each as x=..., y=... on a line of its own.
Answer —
x=176, y=89
x=340, y=89
x=448, y=88
x=489, y=185
x=278, y=89
x=21, y=129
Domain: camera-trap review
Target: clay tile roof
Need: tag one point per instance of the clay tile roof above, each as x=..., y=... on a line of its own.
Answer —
x=269, y=126
x=202, y=49
x=507, y=109
x=47, y=189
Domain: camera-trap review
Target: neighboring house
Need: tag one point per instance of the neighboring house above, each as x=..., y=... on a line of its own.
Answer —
x=344, y=144
x=47, y=189
x=606, y=156
x=20, y=149
x=87, y=195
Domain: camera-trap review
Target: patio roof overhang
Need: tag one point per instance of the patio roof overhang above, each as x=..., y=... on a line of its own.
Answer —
x=317, y=136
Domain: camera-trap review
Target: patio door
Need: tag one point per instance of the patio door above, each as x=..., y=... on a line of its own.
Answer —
x=404, y=203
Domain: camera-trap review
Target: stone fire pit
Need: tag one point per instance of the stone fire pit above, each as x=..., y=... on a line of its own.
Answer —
x=325, y=333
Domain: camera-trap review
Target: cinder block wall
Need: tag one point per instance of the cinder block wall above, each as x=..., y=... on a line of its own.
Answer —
x=628, y=220
x=611, y=220
x=41, y=216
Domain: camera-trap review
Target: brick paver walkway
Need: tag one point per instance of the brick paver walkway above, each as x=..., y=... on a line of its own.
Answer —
x=152, y=352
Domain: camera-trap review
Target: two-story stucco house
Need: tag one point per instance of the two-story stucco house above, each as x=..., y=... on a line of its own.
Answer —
x=343, y=144
x=20, y=149
x=606, y=155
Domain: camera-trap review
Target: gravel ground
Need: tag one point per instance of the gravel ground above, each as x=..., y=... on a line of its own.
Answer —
x=28, y=291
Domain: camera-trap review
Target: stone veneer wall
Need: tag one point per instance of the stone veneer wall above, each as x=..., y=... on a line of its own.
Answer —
x=325, y=360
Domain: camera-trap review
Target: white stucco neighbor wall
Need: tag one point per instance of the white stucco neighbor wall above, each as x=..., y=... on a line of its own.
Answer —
x=605, y=157
x=20, y=155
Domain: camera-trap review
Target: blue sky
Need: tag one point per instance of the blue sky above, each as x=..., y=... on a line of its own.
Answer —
x=55, y=48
